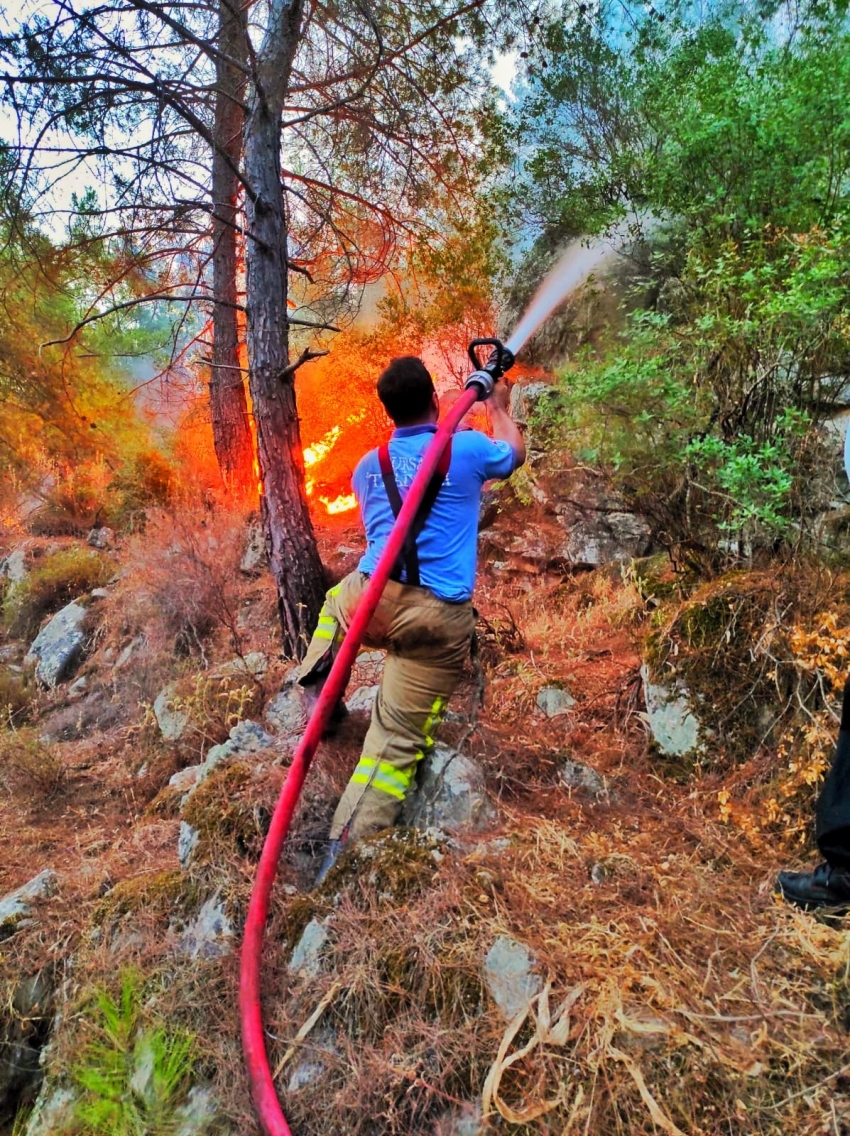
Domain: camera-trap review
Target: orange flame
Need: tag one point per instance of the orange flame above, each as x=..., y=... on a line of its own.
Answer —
x=340, y=504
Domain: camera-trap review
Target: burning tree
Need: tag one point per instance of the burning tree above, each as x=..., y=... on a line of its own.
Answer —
x=331, y=129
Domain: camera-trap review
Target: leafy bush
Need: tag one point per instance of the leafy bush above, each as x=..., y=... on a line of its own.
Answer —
x=53, y=582
x=706, y=415
x=133, y=1075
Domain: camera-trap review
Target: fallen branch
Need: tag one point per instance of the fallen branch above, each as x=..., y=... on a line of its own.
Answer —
x=305, y=1029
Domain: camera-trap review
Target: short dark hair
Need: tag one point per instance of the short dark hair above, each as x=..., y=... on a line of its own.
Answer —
x=406, y=389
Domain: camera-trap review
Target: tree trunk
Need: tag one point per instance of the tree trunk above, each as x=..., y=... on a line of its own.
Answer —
x=290, y=540
x=234, y=445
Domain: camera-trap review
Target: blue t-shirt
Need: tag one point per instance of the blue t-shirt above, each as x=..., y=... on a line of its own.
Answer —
x=448, y=543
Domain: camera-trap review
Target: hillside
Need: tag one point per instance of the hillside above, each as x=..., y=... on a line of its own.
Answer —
x=574, y=934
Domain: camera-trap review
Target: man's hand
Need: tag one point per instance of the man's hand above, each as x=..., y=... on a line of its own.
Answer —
x=504, y=427
x=501, y=396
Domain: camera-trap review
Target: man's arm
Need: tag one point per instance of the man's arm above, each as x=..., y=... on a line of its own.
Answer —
x=504, y=427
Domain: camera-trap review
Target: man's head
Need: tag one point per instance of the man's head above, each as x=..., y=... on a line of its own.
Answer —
x=407, y=391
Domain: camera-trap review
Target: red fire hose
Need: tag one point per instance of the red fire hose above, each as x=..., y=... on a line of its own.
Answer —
x=253, y=1040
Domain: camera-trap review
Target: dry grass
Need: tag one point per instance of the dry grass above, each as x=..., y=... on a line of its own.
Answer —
x=680, y=995
x=182, y=589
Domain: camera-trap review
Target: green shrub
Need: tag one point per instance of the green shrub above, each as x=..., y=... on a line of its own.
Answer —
x=54, y=582
x=133, y=1075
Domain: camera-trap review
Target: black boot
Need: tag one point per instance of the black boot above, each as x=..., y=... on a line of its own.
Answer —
x=825, y=887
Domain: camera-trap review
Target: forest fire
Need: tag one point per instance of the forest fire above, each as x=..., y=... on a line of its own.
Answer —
x=315, y=453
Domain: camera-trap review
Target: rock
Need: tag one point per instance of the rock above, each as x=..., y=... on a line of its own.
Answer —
x=198, y=1115
x=14, y=567
x=606, y=538
x=674, y=727
x=245, y=737
x=126, y=655
x=251, y=666
x=526, y=399
x=450, y=795
x=286, y=712
x=184, y=779
x=187, y=842
x=581, y=778
x=142, y=1083
x=510, y=976
x=15, y=907
x=554, y=701
x=78, y=688
x=22, y=1033
x=306, y=958
x=249, y=737
x=53, y=1112
x=58, y=646
x=172, y=723
x=254, y=558
x=209, y=934
x=322, y=1043
x=99, y=593
x=370, y=658
x=464, y=1121
x=101, y=538
x=363, y=698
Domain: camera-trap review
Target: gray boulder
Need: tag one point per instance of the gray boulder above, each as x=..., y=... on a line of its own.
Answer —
x=53, y=1112
x=14, y=567
x=450, y=795
x=15, y=908
x=286, y=712
x=510, y=975
x=251, y=666
x=525, y=399
x=674, y=726
x=101, y=538
x=554, y=701
x=187, y=842
x=199, y=1115
x=58, y=647
x=582, y=779
x=209, y=934
x=363, y=698
x=184, y=779
x=306, y=958
x=172, y=723
x=311, y=1068
x=21, y=1040
x=464, y=1121
x=606, y=538
x=249, y=737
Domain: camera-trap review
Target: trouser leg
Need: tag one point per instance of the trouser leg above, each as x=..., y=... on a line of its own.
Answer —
x=337, y=611
x=424, y=665
x=832, y=812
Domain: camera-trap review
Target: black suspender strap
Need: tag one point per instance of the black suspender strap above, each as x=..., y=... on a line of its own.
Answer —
x=408, y=560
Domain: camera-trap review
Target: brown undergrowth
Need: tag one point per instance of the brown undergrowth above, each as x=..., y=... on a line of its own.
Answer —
x=676, y=994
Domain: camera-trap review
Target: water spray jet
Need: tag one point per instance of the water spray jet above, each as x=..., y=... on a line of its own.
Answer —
x=571, y=270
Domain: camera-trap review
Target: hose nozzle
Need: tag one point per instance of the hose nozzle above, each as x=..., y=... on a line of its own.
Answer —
x=485, y=376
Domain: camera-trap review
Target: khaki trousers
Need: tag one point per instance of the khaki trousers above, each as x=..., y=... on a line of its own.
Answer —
x=427, y=642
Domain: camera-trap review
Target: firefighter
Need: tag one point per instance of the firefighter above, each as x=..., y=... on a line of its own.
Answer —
x=425, y=618
x=828, y=885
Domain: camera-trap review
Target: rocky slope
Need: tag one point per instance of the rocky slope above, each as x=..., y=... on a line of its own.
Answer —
x=567, y=936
